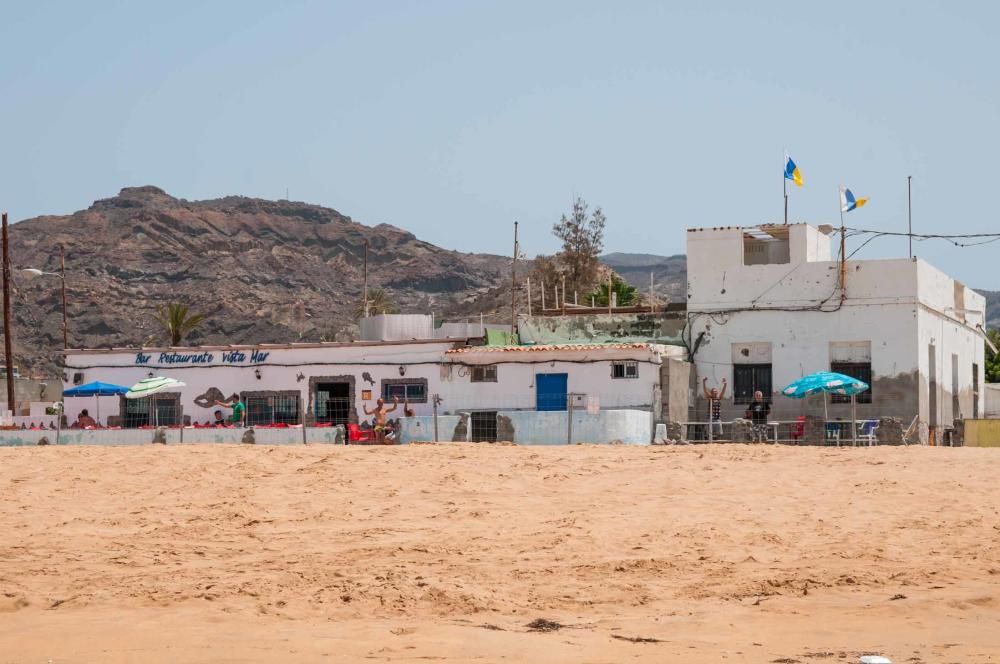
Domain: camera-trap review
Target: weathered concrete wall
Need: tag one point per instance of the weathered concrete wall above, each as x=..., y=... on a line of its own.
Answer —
x=421, y=428
x=675, y=390
x=982, y=433
x=992, y=400
x=657, y=327
x=632, y=427
x=291, y=436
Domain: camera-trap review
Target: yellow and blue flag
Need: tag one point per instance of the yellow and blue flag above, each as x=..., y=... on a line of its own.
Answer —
x=848, y=202
x=792, y=171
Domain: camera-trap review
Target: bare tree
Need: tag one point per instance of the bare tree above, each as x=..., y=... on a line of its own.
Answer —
x=583, y=239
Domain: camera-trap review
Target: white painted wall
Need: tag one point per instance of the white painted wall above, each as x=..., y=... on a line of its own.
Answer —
x=898, y=305
x=447, y=375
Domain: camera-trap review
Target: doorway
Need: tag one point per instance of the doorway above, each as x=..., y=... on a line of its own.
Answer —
x=550, y=391
x=333, y=402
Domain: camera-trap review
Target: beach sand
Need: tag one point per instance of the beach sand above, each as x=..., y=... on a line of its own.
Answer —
x=489, y=553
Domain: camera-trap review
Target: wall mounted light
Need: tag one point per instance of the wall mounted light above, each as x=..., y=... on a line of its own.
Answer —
x=149, y=375
x=402, y=370
x=256, y=372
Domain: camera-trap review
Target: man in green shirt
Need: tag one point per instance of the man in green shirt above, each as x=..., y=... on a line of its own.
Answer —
x=239, y=410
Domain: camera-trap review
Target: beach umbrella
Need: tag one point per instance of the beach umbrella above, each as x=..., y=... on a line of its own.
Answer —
x=149, y=387
x=829, y=382
x=96, y=389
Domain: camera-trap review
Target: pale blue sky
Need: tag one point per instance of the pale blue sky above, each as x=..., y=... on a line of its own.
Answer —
x=452, y=119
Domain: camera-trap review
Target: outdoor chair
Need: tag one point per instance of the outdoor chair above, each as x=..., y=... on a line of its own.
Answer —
x=798, y=428
x=833, y=432
x=866, y=432
x=356, y=434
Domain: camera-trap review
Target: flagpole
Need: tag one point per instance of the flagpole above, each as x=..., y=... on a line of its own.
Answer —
x=784, y=184
x=784, y=187
x=843, y=246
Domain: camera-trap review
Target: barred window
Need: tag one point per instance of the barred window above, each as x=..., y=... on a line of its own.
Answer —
x=484, y=374
x=625, y=369
x=748, y=378
x=859, y=370
x=272, y=408
x=413, y=390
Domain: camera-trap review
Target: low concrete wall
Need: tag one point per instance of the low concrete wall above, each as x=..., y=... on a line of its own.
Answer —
x=633, y=427
x=314, y=435
x=422, y=428
x=982, y=433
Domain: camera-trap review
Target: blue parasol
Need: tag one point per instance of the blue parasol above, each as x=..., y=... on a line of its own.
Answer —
x=834, y=383
x=95, y=389
x=824, y=381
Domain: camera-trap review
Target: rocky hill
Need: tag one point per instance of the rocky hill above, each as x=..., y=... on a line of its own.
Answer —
x=669, y=273
x=261, y=270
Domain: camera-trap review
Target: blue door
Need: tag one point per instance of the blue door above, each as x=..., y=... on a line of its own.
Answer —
x=550, y=391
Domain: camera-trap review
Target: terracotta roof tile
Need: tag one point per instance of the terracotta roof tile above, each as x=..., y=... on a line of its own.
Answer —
x=546, y=348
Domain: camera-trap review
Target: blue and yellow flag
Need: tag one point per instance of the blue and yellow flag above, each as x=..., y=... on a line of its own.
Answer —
x=792, y=171
x=848, y=202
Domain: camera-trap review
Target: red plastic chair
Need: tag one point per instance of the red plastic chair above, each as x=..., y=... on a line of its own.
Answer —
x=799, y=428
x=356, y=434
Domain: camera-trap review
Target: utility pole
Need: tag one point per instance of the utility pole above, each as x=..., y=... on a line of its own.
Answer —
x=62, y=271
x=7, y=352
x=513, y=288
x=364, y=287
x=909, y=214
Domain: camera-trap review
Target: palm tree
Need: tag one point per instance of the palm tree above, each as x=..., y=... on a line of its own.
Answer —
x=379, y=302
x=177, y=322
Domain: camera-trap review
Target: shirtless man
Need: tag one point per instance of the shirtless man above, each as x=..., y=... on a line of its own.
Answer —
x=380, y=412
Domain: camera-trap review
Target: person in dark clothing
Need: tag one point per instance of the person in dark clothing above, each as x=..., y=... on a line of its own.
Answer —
x=757, y=413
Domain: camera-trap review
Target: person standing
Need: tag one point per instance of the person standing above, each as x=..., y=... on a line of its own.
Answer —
x=379, y=413
x=714, y=398
x=757, y=413
x=239, y=410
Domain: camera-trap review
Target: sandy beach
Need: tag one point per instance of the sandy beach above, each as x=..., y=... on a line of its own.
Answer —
x=494, y=553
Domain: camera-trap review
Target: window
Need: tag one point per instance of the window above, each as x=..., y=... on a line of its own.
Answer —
x=137, y=413
x=483, y=426
x=629, y=369
x=413, y=390
x=484, y=374
x=766, y=246
x=272, y=408
x=748, y=378
x=859, y=370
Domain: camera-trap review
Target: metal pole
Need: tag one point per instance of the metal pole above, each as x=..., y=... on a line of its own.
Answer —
x=909, y=214
x=434, y=402
x=513, y=287
x=564, y=294
x=651, y=305
x=302, y=421
x=364, y=287
x=527, y=287
x=854, y=421
x=610, y=306
x=7, y=352
x=543, y=297
x=784, y=188
x=843, y=249
x=569, y=419
x=62, y=270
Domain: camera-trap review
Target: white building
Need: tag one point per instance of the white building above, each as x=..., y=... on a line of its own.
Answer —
x=766, y=306
x=335, y=382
